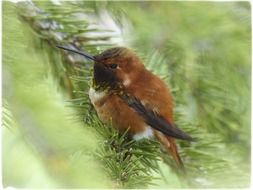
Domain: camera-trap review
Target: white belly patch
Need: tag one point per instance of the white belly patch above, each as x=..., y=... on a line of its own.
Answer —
x=96, y=95
x=148, y=133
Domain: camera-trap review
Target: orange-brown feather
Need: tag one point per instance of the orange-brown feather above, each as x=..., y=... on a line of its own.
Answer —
x=170, y=145
x=155, y=95
x=113, y=108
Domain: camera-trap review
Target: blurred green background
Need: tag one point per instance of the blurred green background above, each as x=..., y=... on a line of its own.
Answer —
x=52, y=137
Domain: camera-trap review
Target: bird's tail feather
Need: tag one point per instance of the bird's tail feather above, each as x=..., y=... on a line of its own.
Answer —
x=170, y=145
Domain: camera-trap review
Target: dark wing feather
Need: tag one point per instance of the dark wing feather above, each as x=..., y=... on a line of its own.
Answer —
x=155, y=121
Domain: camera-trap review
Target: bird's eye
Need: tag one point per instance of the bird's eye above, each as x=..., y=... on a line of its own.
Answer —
x=113, y=66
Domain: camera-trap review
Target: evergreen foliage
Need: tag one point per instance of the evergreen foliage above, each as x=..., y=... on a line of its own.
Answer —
x=203, y=56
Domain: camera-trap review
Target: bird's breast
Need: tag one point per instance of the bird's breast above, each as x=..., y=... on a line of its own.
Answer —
x=111, y=108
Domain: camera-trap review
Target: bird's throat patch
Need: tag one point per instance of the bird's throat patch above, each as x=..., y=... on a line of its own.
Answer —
x=104, y=77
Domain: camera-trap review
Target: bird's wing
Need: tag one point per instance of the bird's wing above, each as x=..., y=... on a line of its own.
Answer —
x=154, y=120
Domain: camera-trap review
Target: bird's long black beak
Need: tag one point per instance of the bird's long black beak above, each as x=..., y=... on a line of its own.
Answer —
x=88, y=56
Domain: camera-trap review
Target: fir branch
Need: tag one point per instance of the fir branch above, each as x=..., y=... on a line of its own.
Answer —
x=207, y=102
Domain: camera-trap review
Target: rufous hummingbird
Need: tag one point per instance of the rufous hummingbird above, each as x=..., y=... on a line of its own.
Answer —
x=125, y=93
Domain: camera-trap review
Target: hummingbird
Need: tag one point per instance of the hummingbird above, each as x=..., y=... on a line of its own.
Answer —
x=132, y=98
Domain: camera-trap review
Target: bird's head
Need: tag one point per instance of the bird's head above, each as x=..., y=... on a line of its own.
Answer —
x=114, y=67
